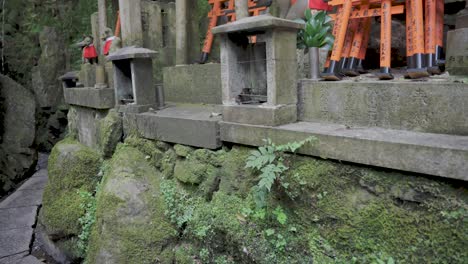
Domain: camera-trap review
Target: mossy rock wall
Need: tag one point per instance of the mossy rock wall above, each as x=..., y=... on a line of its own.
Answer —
x=73, y=168
x=177, y=204
x=130, y=226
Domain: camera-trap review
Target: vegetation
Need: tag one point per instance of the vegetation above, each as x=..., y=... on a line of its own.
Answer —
x=317, y=31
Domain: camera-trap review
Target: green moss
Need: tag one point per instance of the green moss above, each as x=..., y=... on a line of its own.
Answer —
x=193, y=172
x=110, y=133
x=183, y=151
x=151, y=149
x=168, y=163
x=131, y=226
x=235, y=178
x=72, y=168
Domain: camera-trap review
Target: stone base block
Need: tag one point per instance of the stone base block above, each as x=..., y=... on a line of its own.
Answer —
x=427, y=153
x=436, y=106
x=457, y=53
x=90, y=97
x=135, y=109
x=194, y=83
x=259, y=115
x=194, y=126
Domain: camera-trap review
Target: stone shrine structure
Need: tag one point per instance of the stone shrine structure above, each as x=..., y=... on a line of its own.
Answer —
x=255, y=94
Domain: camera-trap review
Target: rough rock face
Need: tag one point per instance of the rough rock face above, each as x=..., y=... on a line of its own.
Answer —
x=163, y=204
x=73, y=168
x=130, y=208
x=17, y=133
x=48, y=89
x=51, y=65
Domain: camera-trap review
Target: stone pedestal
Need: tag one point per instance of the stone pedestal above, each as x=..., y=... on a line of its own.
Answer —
x=457, y=52
x=279, y=41
x=133, y=79
x=87, y=75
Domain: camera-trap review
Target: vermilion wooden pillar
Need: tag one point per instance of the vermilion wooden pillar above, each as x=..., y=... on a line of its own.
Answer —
x=385, y=40
x=430, y=30
x=332, y=73
x=417, y=69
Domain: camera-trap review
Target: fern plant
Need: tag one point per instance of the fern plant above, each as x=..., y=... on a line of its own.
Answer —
x=268, y=161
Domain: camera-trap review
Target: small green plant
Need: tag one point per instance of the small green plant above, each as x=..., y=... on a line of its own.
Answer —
x=88, y=219
x=317, y=31
x=179, y=206
x=268, y=160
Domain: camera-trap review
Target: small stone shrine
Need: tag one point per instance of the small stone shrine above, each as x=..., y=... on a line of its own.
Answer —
x=133, y=79
x=279, y=104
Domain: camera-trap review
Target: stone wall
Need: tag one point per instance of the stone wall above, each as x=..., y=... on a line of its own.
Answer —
x=196, y=84
x=436, y=107
x=176, y=204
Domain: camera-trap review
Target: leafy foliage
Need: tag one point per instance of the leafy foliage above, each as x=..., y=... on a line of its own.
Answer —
x=179, y=208
x=268, y=160
x=317, y=31
x=88, y=219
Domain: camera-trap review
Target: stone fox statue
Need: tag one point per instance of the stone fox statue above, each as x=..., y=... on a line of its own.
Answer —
x=111, y=42
x=89, y=51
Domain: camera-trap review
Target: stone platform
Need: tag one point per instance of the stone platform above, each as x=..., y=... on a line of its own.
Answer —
x=433, y=106
x=427, y=153
x=90, y=97
x=194, y=125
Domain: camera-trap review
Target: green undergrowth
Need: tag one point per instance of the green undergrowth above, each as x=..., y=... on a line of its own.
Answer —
x=175, y=204
x=73, y=169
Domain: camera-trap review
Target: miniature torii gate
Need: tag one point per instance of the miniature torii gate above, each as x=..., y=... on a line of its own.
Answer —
x=352, y=29
x=224, y=8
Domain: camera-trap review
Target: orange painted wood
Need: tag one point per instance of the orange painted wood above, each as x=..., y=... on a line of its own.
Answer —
x=409, y=30
x=341, y=31
x=373, y=12
x=359, y=33
x=348, y=43
x=417, y=23
x=386, y=34
x=366, y=36
x=430, y=26
x=117, y=25
x=439, y=32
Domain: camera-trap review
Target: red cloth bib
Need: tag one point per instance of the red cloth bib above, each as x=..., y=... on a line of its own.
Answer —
x=107, y=45
x=319, y=5
x=89, y=52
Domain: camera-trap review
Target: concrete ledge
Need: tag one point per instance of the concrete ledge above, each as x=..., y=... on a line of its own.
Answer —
x=433, y=107
x=188, y=125
x=257, y=115
x=432, y=154
x=90, y=97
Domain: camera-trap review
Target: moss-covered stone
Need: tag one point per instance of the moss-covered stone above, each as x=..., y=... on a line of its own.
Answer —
x=335, y=213
x=72, y=168
x=110, y=131
x=150, y=148
x=131, y=227
x=183, y=151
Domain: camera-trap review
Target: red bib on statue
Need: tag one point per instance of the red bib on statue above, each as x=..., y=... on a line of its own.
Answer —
x=319, y=5
x=108, y=45
x=89, y=52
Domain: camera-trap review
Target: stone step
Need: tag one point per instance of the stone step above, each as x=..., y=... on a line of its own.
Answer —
x=426, y=153
x=193, y=125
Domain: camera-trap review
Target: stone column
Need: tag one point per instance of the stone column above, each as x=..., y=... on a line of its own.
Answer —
x=130, y=19
x=102, y=16
x=242, y=9
x=181, y=32
x=95, y=31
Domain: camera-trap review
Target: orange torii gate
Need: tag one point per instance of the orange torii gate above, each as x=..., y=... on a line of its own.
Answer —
x=224, y=8
x=352, y=29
